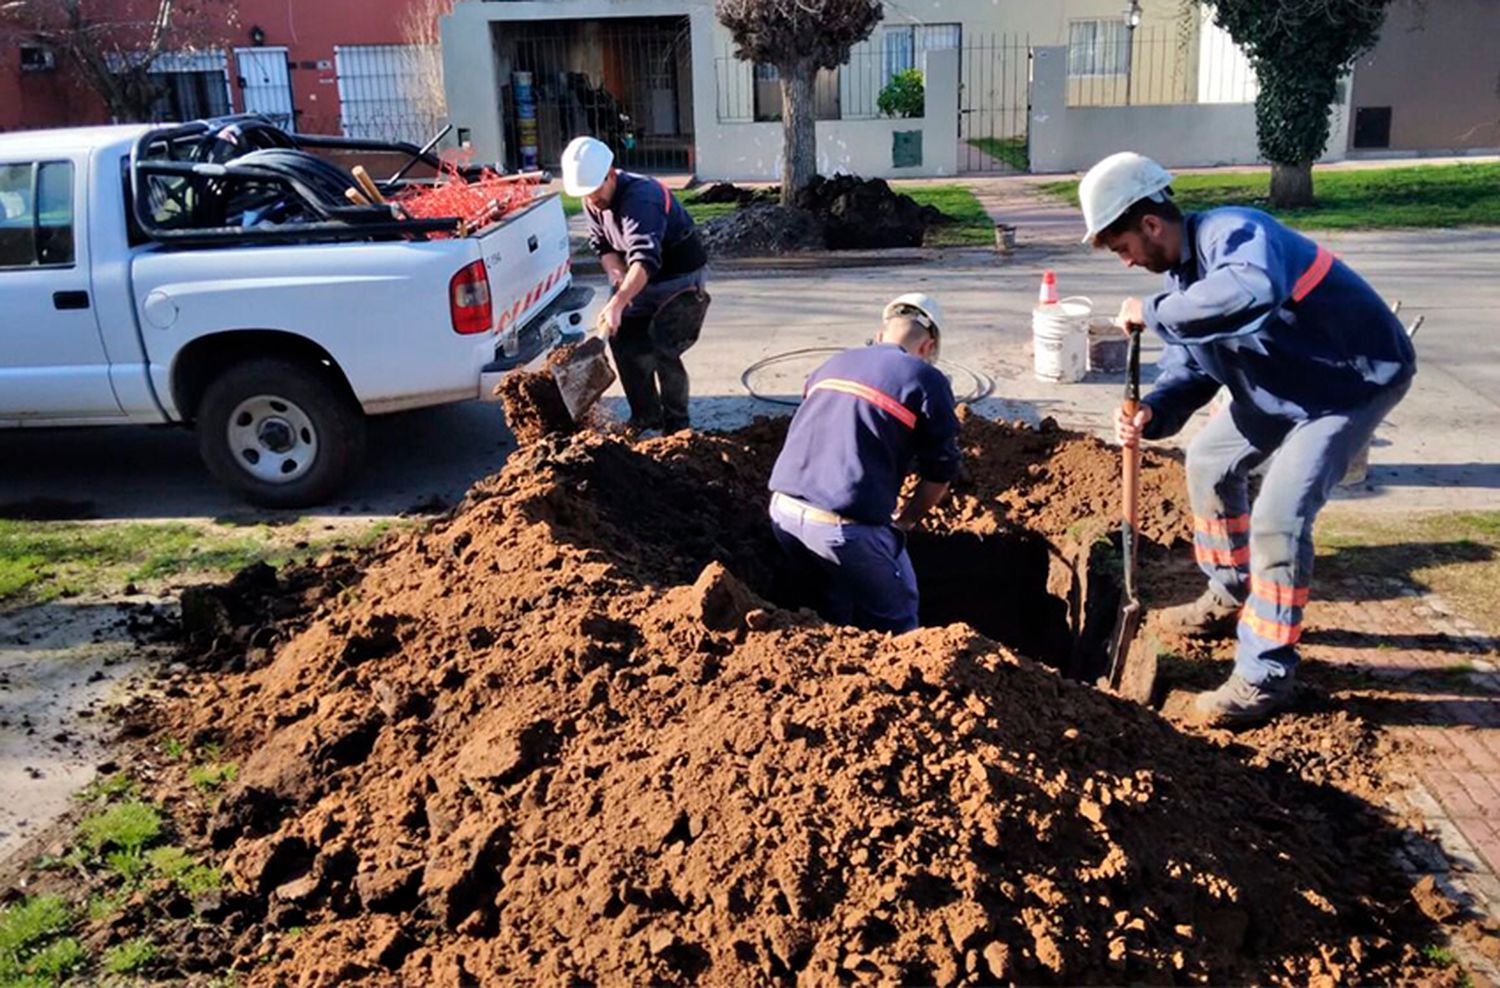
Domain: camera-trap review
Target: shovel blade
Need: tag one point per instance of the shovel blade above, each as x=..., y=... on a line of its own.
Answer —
x=1137, y=679
x=1127, y=623
x=582, y=374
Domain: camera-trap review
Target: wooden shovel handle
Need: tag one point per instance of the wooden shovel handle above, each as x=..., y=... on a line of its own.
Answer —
x=1130, y=484
x=366, y=184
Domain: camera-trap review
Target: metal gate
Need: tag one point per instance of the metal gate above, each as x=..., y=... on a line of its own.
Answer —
x=390, y=92
x=626, y=81
x=994, y=99
x=266, y=84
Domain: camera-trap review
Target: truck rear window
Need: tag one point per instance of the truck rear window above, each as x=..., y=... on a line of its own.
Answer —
x=36, y=214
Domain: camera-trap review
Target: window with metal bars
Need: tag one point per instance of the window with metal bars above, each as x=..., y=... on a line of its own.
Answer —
x=1097, y=47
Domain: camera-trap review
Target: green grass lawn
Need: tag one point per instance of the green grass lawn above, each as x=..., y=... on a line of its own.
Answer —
x=1454, y=554
x=973, y=228
x=702, y=212
x=42, y=560
x=1010, y=150
x=1365, y=199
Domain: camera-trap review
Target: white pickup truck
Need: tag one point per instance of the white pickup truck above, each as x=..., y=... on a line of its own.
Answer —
x=145, y=277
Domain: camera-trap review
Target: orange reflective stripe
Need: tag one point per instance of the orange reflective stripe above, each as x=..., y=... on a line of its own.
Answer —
x=1281, y=634
x=1222, y=526
x=880, y=399
x=1222, y=557
x=1278, y=593
x=1315, y=273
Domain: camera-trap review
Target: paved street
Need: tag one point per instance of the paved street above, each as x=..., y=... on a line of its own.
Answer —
x=1436, y=451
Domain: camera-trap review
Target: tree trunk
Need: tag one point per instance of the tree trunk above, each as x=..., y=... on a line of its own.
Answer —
x=799, y=135
x=1291, y=185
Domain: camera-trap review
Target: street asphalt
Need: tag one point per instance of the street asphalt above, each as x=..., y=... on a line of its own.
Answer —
x=1436, y=451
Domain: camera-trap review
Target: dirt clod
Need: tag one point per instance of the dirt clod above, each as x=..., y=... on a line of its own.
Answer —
x=534, y=407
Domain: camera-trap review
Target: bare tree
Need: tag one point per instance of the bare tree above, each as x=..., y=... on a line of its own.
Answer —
x=113, y=46
x=418, y=25
x=799, y=37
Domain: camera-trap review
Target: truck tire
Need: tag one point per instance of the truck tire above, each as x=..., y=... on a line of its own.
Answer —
x=282, y=433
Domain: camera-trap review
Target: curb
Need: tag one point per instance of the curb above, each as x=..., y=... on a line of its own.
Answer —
x=824, y=260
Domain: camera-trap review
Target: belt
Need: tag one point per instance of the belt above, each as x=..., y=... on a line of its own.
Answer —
x=807, y=511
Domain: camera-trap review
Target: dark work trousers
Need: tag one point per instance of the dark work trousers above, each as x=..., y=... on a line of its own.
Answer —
x=861, y=574
x=643, y=366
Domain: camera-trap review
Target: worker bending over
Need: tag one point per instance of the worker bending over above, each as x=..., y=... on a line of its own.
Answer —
x=866, y=414
x=650, y=251
x=1312, y=359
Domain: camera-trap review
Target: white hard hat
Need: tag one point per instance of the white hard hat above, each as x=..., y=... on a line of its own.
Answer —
x=1114, y=184
x=925, y=304
x=585, y=165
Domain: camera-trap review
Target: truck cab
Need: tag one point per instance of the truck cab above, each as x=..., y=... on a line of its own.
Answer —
x=137, y=286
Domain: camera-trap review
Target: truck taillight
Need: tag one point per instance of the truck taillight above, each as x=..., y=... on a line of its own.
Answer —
x=469, y=300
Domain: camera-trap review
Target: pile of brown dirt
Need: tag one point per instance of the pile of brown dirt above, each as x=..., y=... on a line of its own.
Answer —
x=558, y=737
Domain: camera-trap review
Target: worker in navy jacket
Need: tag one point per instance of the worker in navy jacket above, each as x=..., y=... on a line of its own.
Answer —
x=1312, y=359
x=651, y=253
x=867, y=415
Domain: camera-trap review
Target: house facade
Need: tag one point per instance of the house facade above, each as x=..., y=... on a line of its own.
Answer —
x=1010, y=85
x=331, y=66
x=659, y=80
x=1431, y=85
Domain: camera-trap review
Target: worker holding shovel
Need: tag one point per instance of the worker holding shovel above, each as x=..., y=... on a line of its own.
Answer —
x=1312, y=358
x=650, y=250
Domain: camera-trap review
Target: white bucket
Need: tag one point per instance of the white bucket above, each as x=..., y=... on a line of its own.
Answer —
x=1060, y=340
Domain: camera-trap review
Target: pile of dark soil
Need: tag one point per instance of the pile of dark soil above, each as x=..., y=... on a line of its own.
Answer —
x=561, y=736
x=722, y=192
x=839, y=213
x=763, y=228
x=861, y=214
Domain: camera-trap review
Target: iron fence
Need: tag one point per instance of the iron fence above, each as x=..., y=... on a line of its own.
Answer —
x=749, y=93
x=626, y=81
x=994, y=74
x=994, y=103
x=390, y=92
x=1149, y=67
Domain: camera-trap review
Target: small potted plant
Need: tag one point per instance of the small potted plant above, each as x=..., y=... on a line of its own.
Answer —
x=903, y=96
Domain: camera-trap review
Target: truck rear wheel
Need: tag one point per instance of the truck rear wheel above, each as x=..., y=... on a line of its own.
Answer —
x=281, y=433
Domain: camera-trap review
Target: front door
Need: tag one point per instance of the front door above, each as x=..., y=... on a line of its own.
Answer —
x=266, y=84
x=52, y=360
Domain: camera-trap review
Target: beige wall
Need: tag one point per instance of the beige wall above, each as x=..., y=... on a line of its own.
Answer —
x=1437, y=66
x=471, y=70
x=752, y=151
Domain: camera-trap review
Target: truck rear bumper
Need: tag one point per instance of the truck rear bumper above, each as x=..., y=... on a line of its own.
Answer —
x=560, y=322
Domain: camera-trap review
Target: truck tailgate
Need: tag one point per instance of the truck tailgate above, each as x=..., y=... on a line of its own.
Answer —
x=528, y=261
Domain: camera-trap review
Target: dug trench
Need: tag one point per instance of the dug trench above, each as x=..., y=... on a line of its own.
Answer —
x=567, y=734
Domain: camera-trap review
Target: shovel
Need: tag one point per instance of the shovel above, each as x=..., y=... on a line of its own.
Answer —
x=582, y=373
x=1132, y=661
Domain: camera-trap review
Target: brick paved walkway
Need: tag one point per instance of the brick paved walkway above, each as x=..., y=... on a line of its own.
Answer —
x=1436, y=682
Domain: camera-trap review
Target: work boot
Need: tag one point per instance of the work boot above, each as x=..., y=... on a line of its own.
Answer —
x=1241, y=703
x=1207, y=617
